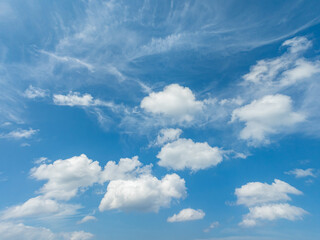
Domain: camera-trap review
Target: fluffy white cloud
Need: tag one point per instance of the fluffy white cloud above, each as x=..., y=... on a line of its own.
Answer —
x=272, y=212
x=174, y=101
x=127, y=168
x=168, y=135
x=146, y=193
x=268, y=115
x=299, y=173
x=184, y=153
x=40, y=207
x=13, y=231
x=266, y=202
x=65, y=177
x=257, y=193
x=34, y=92
x=297, y=44
x=20, y=133
x=187, y=214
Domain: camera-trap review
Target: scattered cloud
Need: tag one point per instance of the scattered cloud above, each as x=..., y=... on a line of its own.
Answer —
x=174, y=101
x=184, y=153
x=269, y=115
x=145, y=193
x=20, y=133
x=258, y=193
x=272, y=212
x=87, y=219
x=127, y=168
x=211, y=226
x=40, y=207
x=66, y=177
x=267, y=202
x=187, y=214
x=168, y=135
x=13, y=231
x=34, y=92
x=300, y=173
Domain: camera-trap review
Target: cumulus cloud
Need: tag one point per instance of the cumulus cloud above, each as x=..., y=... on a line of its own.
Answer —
x=40, y=207
x=272, y=212
x=127, y=168
x=34, y=92
x=145, y=193
x=20, y=133
x=13, y=231
x=174, y=101
x=187, y=214
x=297, y=44
x=65, y=177
x=267, y=202
x=257, y=193
x=184, y=153
x=268, y=115
x=168, y=135
x=300, y=173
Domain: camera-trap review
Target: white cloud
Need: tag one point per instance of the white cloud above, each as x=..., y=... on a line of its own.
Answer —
x=174, y=101
x=258, y=193
x=20, y=133
x=14, y=231
x=297, y=44
x=40, y=207
x=87, y=219
x=184, y=153
x=187, y=214
x=269, y=115
x=211, y=226
x=127, y=168
x=65, y=177
x=272, y=212
x=146, y=193
x=300, y=173
x=34, y=92
x=267, y=202
x=168, y=135
x=76, y=99
x=41, y=160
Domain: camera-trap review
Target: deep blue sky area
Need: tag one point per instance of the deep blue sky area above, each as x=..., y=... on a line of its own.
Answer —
x=178, y=120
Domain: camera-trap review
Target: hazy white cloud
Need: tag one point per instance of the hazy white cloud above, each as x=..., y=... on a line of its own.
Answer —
x=20, y=133
x=184, y=153
x=267, y=202
x=87, y=219
x=146, y=193
x=40, y=207
x=300, y=173
x=211, y=226
x=187, y=214
x=127, y=168
x=258, y=193
x=76, y=99
x=271, y=212
x=65, y=177
x=297, y=44
x=168, y=135
x=34, y=92
x=174, y=101
x=269, y=115
x=14, y=231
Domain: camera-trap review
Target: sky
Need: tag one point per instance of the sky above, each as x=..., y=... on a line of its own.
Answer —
x=191, y=120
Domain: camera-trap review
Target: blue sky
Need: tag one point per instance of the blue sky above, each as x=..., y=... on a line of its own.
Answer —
x=193, y=120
